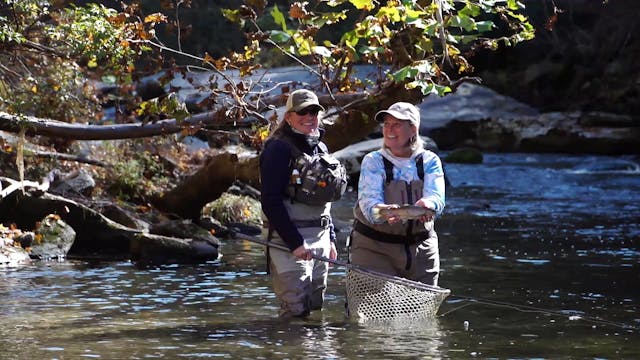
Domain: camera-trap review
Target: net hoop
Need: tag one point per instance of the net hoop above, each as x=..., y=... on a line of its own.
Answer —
x=376, y=296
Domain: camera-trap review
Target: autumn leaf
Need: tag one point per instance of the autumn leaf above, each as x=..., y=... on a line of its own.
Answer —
x=297, y=11
x=208, y=58
x=155, y=18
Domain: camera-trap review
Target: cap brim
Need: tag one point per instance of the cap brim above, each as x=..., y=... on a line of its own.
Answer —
x=305, y=105
x=380, y=115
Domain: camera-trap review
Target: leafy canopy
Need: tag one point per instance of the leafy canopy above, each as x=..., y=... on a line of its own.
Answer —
x=49, y=52
x=422, y=43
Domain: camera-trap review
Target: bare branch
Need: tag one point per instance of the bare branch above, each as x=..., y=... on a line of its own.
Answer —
x=54, y=128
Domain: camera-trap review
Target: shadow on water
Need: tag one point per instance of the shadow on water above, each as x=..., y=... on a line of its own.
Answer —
x=540, y=252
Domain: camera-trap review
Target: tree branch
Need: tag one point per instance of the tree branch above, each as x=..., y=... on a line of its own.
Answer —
x=54, y=128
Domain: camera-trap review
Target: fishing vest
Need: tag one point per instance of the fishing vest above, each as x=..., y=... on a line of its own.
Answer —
x=397, y=192
x=315, y=179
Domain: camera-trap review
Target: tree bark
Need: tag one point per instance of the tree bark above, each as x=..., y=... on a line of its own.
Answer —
x=208, y=183
x=54, y=128
x=100, y=237
x=352, y=110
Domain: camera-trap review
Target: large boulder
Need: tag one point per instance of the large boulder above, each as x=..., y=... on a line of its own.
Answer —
x=481, y=118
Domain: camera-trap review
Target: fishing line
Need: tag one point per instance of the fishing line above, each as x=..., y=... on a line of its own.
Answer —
x=533, y=309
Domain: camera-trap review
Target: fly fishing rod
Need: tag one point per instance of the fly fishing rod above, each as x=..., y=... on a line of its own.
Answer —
x=396, y=279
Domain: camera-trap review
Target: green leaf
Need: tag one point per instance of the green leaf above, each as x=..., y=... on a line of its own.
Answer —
x=304, y=46
x=390, y=12
x=363, y=4
x=232, y=15
x=465, y=22
x=424, y=67
x=425, y=87
x=428, y=87
x=329, y=18
x=484, y=26
x=350, y=39
x=413, y=14
x=465, y=39
x=407, y=72
x=279, y=37
x=432, y=28
x=278, y=17
x=514, y=5
x=425, y=44
x=517, y=16
x=419, y=23
x=470, y=10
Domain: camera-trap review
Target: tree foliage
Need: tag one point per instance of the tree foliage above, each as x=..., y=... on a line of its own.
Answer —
x=421, y=44
x=49, y=53
x=51, y=50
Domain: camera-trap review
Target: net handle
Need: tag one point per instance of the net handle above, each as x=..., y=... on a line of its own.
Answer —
x=397, y=279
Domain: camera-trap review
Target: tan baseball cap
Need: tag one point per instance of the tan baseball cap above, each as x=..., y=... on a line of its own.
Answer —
x=401, y=111
x=301, y=99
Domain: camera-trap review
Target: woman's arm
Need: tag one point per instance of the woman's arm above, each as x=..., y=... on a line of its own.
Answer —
x=371, y=185
x=275, y=177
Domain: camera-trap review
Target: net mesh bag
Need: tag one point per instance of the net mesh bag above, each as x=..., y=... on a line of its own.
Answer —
x=376, y=296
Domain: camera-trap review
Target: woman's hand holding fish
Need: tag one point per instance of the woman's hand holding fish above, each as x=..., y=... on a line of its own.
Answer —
x=429, y=215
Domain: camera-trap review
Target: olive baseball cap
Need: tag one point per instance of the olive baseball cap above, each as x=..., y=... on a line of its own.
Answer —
x=401, y=111
x=301, y=99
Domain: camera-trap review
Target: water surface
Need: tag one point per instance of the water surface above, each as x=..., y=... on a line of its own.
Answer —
x=540, y=252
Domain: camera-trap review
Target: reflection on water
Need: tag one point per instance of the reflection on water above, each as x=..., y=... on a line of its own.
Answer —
x=540, y=252
x=417, y=340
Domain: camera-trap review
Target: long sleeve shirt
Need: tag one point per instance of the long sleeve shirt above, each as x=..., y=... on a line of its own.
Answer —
x=372, y=179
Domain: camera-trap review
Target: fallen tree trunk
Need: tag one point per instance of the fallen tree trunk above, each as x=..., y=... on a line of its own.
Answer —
x=355, y=109
x=54, y=128
x=208, y=183
x=100, y=237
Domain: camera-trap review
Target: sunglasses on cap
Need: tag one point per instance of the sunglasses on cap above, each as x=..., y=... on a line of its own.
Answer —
x=308, y=110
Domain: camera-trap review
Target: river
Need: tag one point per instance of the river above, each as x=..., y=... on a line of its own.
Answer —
x=540, y=252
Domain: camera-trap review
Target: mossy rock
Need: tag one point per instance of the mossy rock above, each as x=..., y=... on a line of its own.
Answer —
x=230, y=208
x=465, y=156
x=53, y=238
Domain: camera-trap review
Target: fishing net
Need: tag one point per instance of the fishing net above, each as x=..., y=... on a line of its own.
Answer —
x=376, y=296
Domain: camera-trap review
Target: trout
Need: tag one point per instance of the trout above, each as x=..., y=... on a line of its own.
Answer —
x=406, y=212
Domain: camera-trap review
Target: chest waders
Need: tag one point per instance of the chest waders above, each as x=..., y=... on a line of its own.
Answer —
x=316, y=180
x=396, y=192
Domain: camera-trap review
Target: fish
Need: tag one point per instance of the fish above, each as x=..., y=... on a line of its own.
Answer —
x=406, y=212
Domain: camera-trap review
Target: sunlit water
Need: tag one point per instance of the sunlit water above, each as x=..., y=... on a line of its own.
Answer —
x=540, y=252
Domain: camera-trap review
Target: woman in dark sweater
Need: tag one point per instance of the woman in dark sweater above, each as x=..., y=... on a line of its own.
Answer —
x=299, y=280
